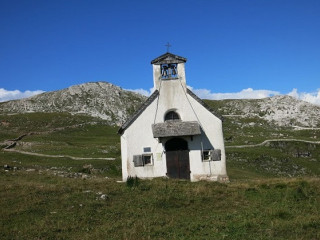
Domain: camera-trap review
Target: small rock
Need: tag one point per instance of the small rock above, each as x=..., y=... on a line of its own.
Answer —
x=84, y=176
x=6, y=166
x=104, y=196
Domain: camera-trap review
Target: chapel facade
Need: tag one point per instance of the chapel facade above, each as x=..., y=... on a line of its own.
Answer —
x=174, y=133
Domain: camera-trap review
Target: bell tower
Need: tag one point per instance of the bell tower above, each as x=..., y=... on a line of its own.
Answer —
x=168, y=67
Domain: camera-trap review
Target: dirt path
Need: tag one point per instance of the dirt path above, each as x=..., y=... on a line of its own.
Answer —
x=305, y=128
x=56, y=156
x=12, y=143
x=273, y=140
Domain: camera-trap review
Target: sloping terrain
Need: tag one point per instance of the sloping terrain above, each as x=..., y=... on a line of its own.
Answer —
x=276, y=136
x=274, y=170
x=75, y=122
x=97, y=99
x=280, y=110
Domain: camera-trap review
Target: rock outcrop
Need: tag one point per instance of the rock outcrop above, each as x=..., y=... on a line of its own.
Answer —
x=98, y=99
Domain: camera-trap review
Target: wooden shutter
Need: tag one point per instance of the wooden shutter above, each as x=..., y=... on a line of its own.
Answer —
x=137, y=160
x=216, y=155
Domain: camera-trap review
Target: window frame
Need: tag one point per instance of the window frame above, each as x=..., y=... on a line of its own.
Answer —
x=151, y=159
x=206, y=153
x=213, y=155
x=173, y=113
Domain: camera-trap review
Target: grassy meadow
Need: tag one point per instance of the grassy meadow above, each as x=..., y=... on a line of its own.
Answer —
x=273, y=193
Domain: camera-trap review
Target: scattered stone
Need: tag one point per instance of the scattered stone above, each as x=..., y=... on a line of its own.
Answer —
x=30, y=170
x=7, y=167
x=104, y=197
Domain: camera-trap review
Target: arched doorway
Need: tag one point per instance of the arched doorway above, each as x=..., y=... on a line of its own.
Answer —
x=177, y=156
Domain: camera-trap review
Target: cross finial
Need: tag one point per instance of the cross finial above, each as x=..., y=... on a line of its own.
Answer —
x=168, y=46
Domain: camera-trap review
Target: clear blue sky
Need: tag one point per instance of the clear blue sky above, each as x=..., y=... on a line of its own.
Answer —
x=230, y=44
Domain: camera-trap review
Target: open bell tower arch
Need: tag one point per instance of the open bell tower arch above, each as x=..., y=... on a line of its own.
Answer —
x=168, y=67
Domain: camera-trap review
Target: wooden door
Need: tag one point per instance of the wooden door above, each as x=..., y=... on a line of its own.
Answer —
x=178, y=165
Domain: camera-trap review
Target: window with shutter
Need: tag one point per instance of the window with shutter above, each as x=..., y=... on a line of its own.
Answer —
x=206, y=155
x=147, y=159
x=142, y=160
x=216, y=155
x=211, y=155
x=137, y=160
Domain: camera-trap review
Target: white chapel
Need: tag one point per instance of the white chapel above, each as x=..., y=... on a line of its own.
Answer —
x=174, y=133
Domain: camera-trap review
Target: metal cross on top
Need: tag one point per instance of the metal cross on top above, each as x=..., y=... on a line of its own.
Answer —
x=168, y=46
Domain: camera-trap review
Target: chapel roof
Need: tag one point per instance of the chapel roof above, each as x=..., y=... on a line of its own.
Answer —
x=199, y=100
x=168, y=58
x=153, y=96
x=143, y=106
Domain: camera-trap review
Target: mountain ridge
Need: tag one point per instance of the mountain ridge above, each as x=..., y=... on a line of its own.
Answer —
x=280, y=110
x=115, y=105
x=98, y=99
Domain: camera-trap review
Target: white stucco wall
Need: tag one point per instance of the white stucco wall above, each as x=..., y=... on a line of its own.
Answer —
x=138, y=136
x=173, y=96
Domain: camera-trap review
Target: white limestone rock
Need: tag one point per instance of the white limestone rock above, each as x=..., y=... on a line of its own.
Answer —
x=98, y=99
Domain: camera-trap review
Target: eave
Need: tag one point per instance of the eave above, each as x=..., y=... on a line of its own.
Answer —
x=175, y=128
x=153, y=96
x=168, y=58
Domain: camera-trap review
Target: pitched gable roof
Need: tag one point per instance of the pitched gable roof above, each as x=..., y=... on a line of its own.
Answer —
x=168, y=58
x=153, y=96
x=204, y=104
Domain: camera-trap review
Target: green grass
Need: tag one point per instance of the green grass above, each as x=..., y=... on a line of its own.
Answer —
x=41, y=206
x=86, y=141
x=62, y=134
x=268, y=161
x=243, y=133
x=272, y=194
x=252, y=130
x=109, y=168
x=28, y=122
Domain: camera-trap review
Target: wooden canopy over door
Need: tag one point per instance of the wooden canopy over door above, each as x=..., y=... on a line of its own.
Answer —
x=177, y=157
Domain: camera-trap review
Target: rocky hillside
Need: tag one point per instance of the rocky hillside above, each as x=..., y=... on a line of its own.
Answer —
x=278, y=110
x=98, y=99
x=110, y=102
